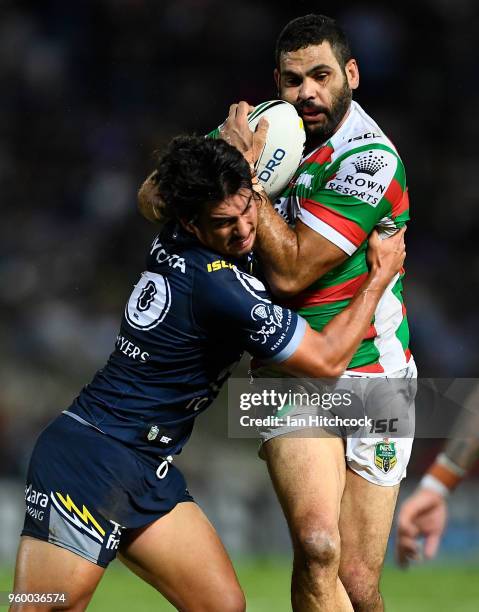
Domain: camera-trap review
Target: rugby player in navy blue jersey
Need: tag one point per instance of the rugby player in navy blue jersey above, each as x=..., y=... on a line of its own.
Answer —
x=101, y=480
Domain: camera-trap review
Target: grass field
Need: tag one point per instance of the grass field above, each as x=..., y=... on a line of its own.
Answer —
x=266, y=584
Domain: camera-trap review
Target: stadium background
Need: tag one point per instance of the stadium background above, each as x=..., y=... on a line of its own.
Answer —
x=88, y=91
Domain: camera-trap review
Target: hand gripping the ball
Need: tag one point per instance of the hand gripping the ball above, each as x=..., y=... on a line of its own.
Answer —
x=236, y=131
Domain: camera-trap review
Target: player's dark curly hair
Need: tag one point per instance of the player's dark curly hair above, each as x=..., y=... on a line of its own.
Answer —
x=313, y=30
x=194, y=171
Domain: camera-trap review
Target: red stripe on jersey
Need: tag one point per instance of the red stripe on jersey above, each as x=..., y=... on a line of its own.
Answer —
x=322, y=156
x=349, y=229
x=403, y=309
x=371, y=333
x=394, y=194
x=342, y=291
x=402, y=205
x=374, y=368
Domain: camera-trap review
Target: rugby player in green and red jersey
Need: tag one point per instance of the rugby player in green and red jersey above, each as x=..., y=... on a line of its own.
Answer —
x=338, y=495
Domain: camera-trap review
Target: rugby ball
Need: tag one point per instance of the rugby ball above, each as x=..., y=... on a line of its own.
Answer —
x=284, y=144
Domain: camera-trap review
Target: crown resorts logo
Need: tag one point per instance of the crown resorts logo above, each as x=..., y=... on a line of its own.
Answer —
x=364, y=176
x=369, y=163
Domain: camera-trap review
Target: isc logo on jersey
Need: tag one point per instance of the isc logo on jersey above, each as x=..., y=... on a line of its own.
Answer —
x=365, y=175
x=149, y=302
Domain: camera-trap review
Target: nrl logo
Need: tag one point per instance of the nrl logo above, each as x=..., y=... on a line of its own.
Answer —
x=154, y=431
x=385, y=455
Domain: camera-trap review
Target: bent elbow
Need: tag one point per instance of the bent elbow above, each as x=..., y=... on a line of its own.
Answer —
x=331, y=370
x=326, y=369
x=284, y=288
x=336, y=370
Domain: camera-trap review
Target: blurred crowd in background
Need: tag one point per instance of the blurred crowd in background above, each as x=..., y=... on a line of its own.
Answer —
x=90, y=89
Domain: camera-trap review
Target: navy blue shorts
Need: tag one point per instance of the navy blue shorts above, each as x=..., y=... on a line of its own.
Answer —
x=85, y=489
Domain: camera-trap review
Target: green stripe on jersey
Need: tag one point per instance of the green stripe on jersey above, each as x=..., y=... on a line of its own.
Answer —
x=351, y=268
x=318, y=316
x=378, y=146
x=402, y=333
x=366, y=354
x=214, y=133
x=402, y=219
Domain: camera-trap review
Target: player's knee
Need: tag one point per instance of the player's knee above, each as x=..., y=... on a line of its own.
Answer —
x=364, y=597
x=362, y=587
x=232, y=600
x=317, y=546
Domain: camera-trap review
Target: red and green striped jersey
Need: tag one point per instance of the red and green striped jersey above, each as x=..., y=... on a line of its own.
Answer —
x=342, y=190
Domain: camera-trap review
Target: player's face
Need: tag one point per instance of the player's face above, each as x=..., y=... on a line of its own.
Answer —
x=230, y=226
x=313, y=81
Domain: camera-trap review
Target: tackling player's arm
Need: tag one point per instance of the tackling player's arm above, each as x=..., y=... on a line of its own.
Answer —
x=232, y=300
x=327, y=353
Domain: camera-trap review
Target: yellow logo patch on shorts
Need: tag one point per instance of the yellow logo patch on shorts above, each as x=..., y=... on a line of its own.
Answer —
x=385, y=455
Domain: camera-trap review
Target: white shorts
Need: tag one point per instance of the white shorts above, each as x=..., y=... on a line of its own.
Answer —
x=380, y=460
x=383, y=461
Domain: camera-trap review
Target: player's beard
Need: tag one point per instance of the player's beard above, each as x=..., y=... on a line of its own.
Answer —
x=320, y=133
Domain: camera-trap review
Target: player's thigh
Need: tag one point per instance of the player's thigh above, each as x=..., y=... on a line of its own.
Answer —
x=365, y=524
x=182, y=556
x=308, y=475
x=45, y=568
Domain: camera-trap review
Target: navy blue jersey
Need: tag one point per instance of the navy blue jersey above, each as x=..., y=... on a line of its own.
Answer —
x=185, y=326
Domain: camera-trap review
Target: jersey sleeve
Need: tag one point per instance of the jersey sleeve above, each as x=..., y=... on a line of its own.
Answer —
x=363, y=188
x=238, y=304
x=214, y=133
